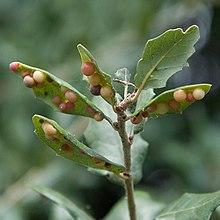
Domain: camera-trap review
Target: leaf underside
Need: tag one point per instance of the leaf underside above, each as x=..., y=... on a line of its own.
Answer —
x=165, y=55
x=109, y=145
x=146, y=209
x=63, y=202
x=67, y=146
x=55, y=87
x=191, y=206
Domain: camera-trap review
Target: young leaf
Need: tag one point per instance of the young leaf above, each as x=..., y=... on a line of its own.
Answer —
x=168, y=103
x=191, y=206
x=123, y=75
x=165, y=55
x=55, y=92
x=146, y=208
x=67, y=146
x=112, y=148
x=105, y=79
x=63, y=202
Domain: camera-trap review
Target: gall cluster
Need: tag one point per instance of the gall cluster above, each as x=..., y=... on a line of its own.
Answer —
x=88, y=69
x=30, y=79
x=69, y=102
x=173, y=104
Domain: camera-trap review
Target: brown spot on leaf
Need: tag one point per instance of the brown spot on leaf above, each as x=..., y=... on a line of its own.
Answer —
x=66, y=148
x=107, y=165
x=41, y=121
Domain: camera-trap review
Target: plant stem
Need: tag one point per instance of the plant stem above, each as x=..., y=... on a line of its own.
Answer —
x=127, y=161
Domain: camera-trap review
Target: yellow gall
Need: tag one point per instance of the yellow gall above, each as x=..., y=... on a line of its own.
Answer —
x=94, y=79
x=39, y=77
x=198, y=94
x=107, y=92
x=179, y=95
x=49, y=129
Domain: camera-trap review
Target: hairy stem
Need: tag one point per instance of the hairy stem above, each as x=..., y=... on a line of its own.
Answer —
x=127, y=160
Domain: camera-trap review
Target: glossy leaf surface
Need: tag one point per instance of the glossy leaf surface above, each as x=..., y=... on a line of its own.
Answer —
x=165, y=55
x=67, y=146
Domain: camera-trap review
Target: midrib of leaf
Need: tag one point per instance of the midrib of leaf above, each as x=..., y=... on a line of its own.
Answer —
x=154, y=67
x=191, y=208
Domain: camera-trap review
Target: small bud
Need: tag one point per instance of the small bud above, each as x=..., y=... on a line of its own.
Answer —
x=39, y=77
x=124, y=175
x=94, y=79
x=88, y=68
x=98, y=117
x=49, y=129
x=13, y=66
x=107, y=91
x=173, y=104
x=71, y=96
x=29, y=81
x=136, y=119
x=179, y=95
x=198, y=94
x=95, y=90
x=162, y=108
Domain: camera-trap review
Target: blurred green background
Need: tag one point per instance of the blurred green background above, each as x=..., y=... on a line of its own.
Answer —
x=184, y=153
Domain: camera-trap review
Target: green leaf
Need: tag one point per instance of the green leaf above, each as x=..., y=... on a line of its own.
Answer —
x=63, y=202
x=165, y=55
x=67, y=146
x=109, y=145
x=123, y=75
x=191, y=206
x=144, y=97
x=166, y=98
x=146, y=208
x=55, y=87
x=86, y=56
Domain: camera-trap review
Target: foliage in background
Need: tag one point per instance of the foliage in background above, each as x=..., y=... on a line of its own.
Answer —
x=34, y=25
